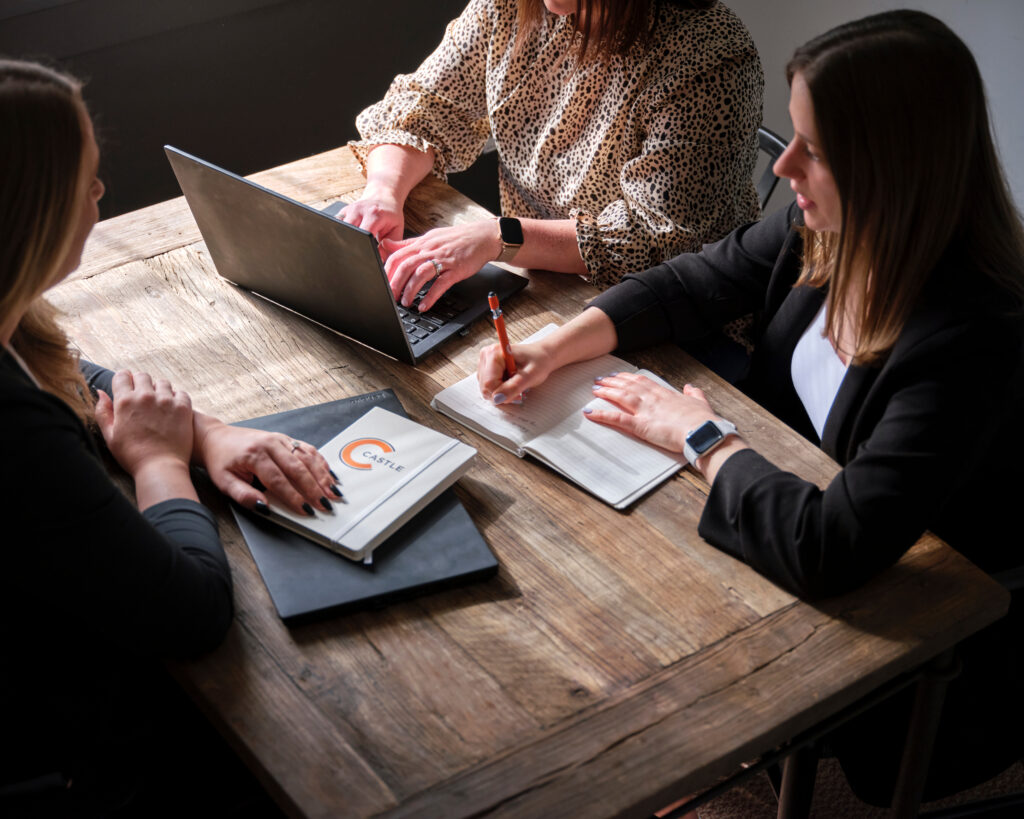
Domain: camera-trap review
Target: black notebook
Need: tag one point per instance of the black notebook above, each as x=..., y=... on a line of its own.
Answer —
x=439, y=547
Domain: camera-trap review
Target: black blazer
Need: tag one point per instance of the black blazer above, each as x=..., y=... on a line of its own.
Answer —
x=929, y=439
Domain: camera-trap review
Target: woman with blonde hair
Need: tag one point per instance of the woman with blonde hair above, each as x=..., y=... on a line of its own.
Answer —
x=94, y=587
x=626, y=132
x=890, y=305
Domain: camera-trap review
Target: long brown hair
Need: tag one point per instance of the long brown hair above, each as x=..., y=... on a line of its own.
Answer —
x=41, y=152
x=902, y=119
x=613, y=26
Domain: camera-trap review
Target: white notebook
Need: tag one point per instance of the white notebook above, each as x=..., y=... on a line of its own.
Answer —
x=550, y=426
x=389, y=468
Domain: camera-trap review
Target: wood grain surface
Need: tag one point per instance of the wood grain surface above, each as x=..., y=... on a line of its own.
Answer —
x=616, y=662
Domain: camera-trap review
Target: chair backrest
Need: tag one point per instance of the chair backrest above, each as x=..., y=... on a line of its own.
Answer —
x=773, y=145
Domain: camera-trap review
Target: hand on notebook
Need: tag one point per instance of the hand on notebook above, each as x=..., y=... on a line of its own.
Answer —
x=653, y=413
x=587, y=336
x=293, y=471
x=533, y=365
x=442, y=256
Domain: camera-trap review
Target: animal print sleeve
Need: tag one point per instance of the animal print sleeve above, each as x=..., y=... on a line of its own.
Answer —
x=443, y=105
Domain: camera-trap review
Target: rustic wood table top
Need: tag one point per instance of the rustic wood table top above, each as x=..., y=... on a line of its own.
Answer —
x=615, y=663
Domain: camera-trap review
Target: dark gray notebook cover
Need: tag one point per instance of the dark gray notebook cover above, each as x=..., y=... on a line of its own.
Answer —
x=439, y=547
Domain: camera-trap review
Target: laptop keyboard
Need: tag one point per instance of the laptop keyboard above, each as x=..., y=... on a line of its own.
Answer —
x=419, y=326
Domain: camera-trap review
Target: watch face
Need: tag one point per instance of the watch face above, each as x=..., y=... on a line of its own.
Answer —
x=511, y=230
x=704, y=437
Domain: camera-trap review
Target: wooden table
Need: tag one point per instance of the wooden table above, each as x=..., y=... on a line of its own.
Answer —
x=616, y=662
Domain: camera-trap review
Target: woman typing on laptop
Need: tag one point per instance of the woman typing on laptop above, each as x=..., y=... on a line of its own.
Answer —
x=891, y=297
x=93, y=588
x=625, y=132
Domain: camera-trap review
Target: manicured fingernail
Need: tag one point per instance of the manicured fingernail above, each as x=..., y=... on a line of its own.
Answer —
x=517, y=401
x=587, y=410
x=335, y=491
x=261, y=507
x=498, y=398
x=596, y=387
x=308, y=510
x=334, y=476
x=326, y=504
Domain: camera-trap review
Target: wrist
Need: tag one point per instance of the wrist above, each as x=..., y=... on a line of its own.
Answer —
x=701, y=440
x=509, y=238
x=160, y=478
x=709, y=465
x=202, y=426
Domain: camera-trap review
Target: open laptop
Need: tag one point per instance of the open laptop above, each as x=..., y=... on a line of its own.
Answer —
x=326, y=270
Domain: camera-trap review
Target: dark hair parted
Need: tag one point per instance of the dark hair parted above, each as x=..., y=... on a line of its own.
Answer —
x=902, y=119
x=612, y=27
x=42, y=146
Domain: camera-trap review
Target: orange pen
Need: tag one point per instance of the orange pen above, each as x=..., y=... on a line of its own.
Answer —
x=499, y=325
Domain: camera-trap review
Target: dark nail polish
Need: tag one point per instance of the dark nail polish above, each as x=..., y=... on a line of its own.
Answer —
x=308, y=510
x=261, y=507
x=335, y=490
x=334, y=476
x=326, y=504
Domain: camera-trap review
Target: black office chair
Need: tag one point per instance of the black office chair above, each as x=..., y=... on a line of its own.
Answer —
x=773, y=145
x=728, y=351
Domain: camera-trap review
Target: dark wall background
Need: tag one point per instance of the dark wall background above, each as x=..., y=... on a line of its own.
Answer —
x=246, y=84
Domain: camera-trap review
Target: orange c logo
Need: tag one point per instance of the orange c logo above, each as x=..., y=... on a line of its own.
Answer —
x=347, y=451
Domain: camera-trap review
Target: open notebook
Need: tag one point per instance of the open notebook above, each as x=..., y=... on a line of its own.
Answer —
x=550, y=426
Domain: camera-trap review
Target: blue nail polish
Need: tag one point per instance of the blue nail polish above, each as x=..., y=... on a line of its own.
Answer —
x=596, y=387
x=587, y=410
x=498, y=398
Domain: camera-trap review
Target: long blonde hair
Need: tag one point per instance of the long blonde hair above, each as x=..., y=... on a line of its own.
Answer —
x=41, y=197
x=901, y=114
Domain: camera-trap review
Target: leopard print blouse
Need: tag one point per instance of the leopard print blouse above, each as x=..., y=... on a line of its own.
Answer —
x=651, y=153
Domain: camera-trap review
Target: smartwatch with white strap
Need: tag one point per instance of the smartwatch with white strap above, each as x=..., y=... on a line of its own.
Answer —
x=706, y=437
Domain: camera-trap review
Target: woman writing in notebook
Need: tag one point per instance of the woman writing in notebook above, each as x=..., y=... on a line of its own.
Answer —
x=625, y=133
x=890, y=333
x=94, y=588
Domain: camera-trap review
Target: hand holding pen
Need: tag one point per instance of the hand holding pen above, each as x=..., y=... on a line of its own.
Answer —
x=499, y=325
x=503, y=342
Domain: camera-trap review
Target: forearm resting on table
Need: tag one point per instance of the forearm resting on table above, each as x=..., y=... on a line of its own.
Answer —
x=548, y=244
x=394, y=170
x=587, y=336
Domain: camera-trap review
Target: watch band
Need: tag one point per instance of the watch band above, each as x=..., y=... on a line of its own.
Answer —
x=510, y=234
x=706, y=437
